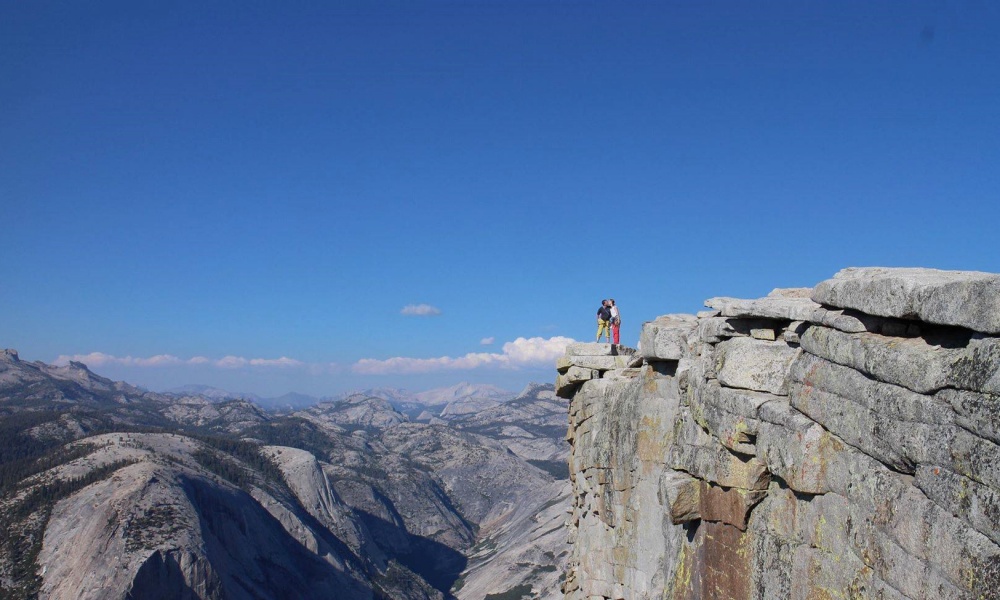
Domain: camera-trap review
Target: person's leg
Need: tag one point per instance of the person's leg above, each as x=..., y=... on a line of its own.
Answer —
x=603, y=329
x=616, y=330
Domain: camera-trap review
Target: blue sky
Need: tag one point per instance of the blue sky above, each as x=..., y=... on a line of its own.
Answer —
x=197, y=181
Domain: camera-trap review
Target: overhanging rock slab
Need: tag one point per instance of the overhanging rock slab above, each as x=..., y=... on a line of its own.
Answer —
x=964, y=298
x=791, y=309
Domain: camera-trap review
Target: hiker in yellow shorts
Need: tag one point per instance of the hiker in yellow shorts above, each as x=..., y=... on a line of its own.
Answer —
x=604, y=321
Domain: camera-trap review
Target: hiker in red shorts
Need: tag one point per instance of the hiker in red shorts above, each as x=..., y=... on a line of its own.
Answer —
x=616, y=321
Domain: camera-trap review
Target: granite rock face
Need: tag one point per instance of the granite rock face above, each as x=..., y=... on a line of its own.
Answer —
x=839, y=442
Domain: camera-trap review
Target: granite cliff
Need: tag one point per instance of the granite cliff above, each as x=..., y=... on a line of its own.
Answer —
x=835, y=442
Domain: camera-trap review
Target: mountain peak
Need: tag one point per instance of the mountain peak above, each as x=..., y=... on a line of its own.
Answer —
x=10, y=355
x=461, y=391
x=533, y=388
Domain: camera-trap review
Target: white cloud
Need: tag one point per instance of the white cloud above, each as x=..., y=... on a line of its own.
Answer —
x=100, y=359
x=487, y=341
x=536, y=351
x=160, y=360
x=284, y=361
x=420, y=310
x=521, y=353
x=231, y=362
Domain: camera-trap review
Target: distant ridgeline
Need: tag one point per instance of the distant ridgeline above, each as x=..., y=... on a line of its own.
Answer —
x=835, y=442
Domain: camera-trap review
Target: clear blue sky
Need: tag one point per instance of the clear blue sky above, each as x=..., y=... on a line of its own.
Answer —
x=209, y=180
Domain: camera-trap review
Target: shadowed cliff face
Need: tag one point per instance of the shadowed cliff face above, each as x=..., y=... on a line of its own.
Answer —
x=839, y=442
x=254, y=555
x=161, y=577
x=439, y=565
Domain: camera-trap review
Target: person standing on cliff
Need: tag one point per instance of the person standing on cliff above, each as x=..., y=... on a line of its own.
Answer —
x=616, y=321
x=604, y=321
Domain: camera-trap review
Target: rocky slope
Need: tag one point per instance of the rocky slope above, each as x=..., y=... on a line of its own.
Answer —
x=532, y=426
x=109, y=491
x=838, y=442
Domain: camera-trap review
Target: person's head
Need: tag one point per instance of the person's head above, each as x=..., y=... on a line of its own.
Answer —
x=604, y=302
x=612, y=301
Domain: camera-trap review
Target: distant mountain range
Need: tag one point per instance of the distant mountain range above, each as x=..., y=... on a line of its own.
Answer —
x=446, y=402
x=111, y=491
x=212, y=393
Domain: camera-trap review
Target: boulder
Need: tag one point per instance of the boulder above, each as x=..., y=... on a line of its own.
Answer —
x=766, y=334
x=968, y=299
x=680, y=493
x=666, y=338
x=754, y=364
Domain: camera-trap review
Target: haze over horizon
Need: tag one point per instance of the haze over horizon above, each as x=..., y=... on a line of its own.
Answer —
x=319, y=198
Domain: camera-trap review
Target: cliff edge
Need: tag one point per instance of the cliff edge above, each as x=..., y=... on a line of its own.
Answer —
x=835, y=442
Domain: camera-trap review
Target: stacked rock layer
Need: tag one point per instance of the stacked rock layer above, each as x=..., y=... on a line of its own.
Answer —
x=836, y=442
